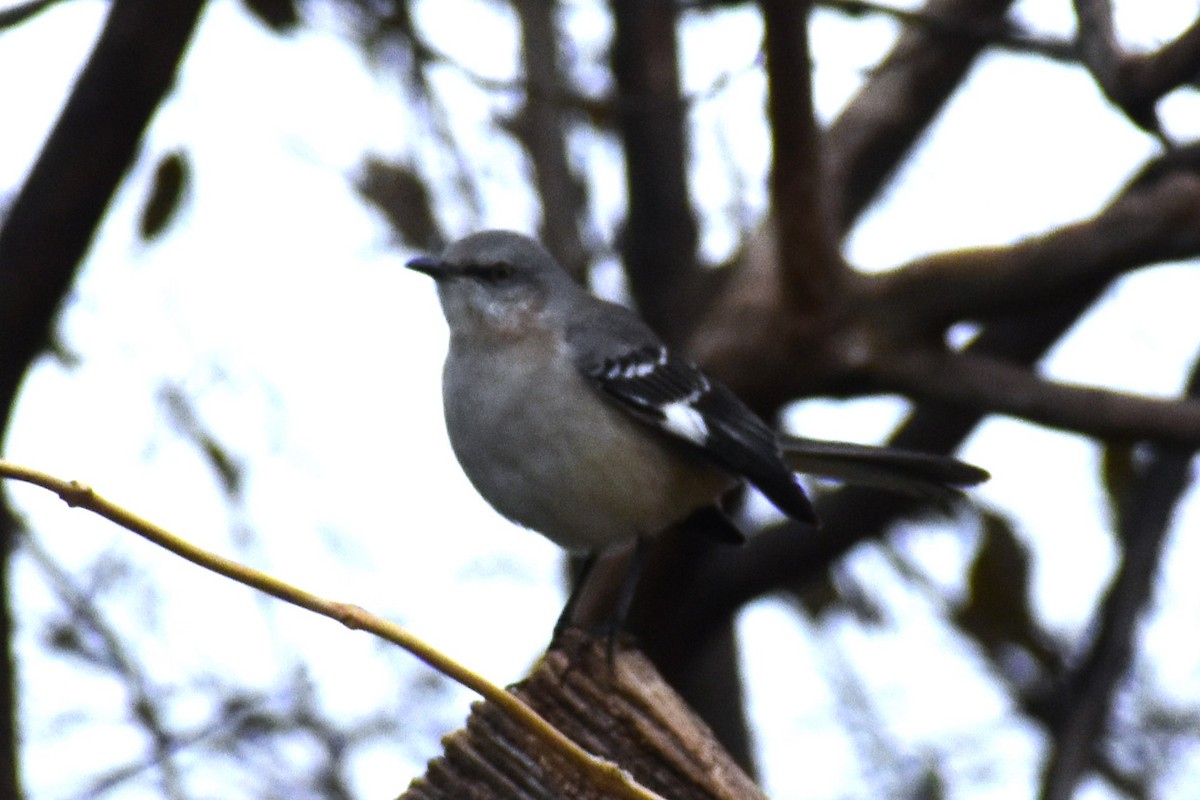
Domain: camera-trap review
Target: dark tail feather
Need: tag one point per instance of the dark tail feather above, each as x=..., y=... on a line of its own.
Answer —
x=908, y=472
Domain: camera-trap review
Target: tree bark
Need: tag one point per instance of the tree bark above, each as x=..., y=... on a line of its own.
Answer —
x=621, y=710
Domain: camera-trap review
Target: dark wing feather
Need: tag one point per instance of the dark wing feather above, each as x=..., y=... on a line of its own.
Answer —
x=673, y=394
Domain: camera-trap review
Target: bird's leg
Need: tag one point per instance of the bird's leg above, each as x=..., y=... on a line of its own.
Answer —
x=628, y=586
x=568, y=613
x=625, y=594
x=611, y=628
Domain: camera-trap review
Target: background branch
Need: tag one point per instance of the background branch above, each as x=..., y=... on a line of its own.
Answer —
x=785, y=558
x=1134, y=83
x=810, y=267
x=658, y=243
x=606, y=777
x=541, y=126
x=1146, y=224
x=85, y=625
x=1077, y=707
x=50, y=225
x=979, y=382
x=879, y=127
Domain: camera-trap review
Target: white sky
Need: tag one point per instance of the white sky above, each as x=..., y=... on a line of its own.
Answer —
x=277, y=303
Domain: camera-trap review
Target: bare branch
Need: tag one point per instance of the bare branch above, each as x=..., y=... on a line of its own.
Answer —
x=54, y=216
x=810, y=268
x=978, y=382
x=1080, y=705
x=905, y=93
x=14, y=16
x=1175, y=64
x=1098, y=39
x=77, y=495
x=392, y=23
x=10, y=742
x=143, y=701
x=1134, y=83
x=659, y=240
x=788, y=557
x=51, y=222
x=540, y=125
x=1150, y=222
x=1106, y=60
x=1004, y=35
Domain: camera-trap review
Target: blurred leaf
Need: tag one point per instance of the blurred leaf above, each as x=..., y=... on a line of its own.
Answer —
x=182, y=413
x=280, y=16
x=1118, y=468
x=62, y=353
x=929, y=786
x=64, y=637
x=819, y=596
x=170, y=178
x=854, y=597
x=997, y=612
x=401, y=195
x=837, y=590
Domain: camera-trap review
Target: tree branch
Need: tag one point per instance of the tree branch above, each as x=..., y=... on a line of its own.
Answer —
x=659, y=250
x=1000, y=387
x=1134, y=83
x=1149, y=222
x=1079, y=706
x=52, y=219
x=809, y=267
x=143, y=702
x=14, y=16
x=658, y=243
x=1175, y=64
x=621, y=707
x=1002, y=35
x=789, y=557
x=604, y=775
x=904, y=94
x=540, y=125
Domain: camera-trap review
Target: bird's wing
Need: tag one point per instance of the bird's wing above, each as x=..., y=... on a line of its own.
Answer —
x=676, y=397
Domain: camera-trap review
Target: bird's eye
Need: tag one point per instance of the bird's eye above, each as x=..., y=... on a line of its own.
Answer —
x=493, y=273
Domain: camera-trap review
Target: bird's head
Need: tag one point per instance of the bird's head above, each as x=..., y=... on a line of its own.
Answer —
x=495, y=282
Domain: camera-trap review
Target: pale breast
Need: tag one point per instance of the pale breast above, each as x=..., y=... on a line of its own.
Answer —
x=550, y=454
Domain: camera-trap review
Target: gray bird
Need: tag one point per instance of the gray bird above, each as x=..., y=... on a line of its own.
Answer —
x=572, y=418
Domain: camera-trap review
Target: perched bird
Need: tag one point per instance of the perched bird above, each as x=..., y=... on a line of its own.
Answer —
x=572, y=418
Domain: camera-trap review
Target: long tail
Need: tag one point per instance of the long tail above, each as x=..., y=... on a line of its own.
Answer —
x=906, y=471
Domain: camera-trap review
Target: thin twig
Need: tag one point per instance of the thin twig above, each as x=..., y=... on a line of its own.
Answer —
x=606, y=775
x=1144, y=517
x=143, y=702
x=12, y=17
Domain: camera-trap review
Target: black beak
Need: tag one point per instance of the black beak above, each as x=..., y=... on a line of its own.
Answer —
x=428, y=265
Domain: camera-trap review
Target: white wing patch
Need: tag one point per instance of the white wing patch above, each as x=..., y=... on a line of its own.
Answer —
x=631, y=368
x=684, y=421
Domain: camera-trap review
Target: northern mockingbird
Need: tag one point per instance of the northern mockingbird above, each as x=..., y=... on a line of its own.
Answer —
x=573, y=419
